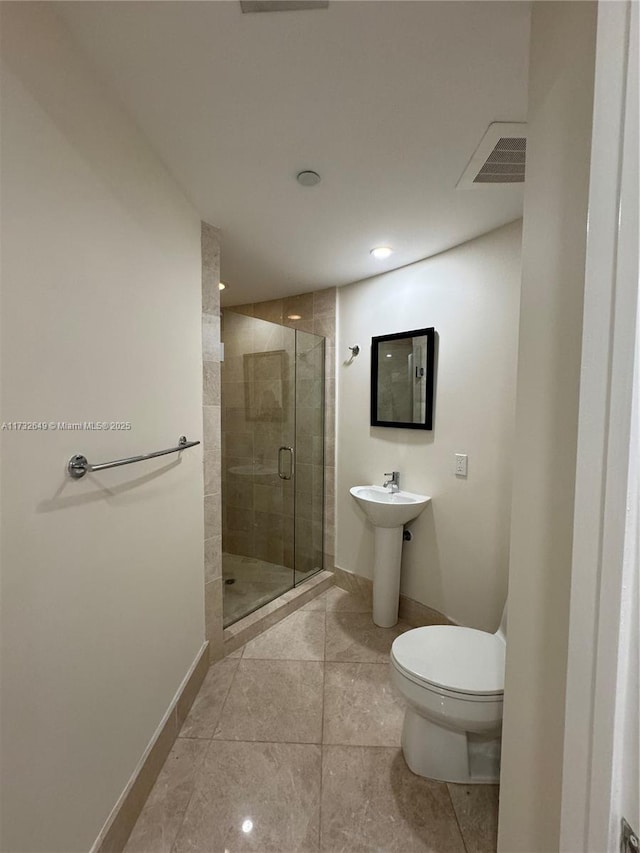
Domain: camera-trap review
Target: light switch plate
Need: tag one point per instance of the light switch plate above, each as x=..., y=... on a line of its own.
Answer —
x=461, y=464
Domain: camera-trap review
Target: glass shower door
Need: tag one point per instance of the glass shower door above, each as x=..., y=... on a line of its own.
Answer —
x=258, y=463
x=272, y=405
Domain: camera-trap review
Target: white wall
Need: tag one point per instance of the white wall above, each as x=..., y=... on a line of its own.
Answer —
x=553, y=270
x=626, y=747
x=102, y=579
x=600, y=774
x=457, y=561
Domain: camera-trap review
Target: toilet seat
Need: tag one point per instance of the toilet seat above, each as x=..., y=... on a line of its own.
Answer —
x=453, y=660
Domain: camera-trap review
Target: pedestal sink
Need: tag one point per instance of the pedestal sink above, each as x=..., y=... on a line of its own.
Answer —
x=388, y=512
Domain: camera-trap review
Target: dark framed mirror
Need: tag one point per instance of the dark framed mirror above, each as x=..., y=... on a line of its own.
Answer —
x=402, y=379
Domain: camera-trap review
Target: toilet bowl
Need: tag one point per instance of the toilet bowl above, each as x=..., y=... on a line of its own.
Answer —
x=452, y=679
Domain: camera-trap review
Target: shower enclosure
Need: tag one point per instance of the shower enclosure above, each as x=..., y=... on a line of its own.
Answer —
x=272, y=406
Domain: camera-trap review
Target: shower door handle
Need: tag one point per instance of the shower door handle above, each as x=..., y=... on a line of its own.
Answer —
x=281, y=470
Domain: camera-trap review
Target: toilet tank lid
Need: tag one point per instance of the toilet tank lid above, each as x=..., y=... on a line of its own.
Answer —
x=460, y=659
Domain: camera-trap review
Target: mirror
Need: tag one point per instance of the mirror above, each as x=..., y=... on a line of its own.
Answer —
x=402, y=374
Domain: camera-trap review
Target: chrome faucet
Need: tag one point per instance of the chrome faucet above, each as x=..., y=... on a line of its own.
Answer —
x=394, y=482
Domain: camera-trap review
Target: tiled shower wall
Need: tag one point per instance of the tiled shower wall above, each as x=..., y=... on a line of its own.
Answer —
x=317, y=313
x=211, y=439
x=257, y=370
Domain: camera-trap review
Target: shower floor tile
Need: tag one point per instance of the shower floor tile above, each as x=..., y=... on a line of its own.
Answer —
x=249, y=583
x=296, y=754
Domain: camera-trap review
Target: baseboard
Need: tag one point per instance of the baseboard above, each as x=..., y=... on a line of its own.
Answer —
x=409, y=610
x=117, y=829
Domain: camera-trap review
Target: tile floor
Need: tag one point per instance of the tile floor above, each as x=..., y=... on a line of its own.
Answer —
x=293, y=745
x=254, y=583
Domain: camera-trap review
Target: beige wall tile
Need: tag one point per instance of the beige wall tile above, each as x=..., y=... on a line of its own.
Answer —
x=324, y=301
x=211, y=427
x=270, y=311
x=212, y=517
x=239, y=444
x=240, y=519
x=210, y=337
x=211, y=383
x=212, y=558
x=302, y=305
x=325, y=325
x=211, y=461
x=234, y=393
x=329, y=480
x=210, y=269
x=212, y=439
x=244, y=309
x=239, y=492
x=213, y=618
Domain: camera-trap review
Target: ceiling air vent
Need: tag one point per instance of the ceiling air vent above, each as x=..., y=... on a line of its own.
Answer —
x=282, y=5
x=499, y=159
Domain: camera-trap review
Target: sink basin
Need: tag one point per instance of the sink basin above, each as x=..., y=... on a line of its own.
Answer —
x=388, y=509
x=388, y=512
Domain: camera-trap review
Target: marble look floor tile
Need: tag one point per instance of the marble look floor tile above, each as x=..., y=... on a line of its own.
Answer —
x=319, y=603
x=237, y=653
x=205, y=711
x=274, y=701
x=360, y=706
x=274, y=786
x=160, y=820
x=298, y=637
x=354, y=637
x=372, y=802
x=476, y=808
x=341, y=600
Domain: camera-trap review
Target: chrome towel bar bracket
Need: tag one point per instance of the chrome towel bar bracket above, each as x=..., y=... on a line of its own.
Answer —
x=78, y=465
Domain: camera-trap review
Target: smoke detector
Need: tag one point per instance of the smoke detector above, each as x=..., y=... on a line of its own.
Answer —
x=499, y=159
x=308, y=178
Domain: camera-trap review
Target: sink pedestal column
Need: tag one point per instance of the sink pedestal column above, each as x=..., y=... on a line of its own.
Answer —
x=386, y=575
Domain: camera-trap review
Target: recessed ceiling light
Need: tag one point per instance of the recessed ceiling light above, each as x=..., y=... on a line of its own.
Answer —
x=382, y=252
x=294, y=316
x=221, y=286
x=308, y=178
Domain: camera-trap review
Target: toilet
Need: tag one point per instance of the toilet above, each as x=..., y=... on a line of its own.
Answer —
x=452, y=679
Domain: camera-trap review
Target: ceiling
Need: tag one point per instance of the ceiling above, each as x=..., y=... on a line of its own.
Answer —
x=386, y=100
